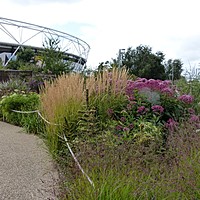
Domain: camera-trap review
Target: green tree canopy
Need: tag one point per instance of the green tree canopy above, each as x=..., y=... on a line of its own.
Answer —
x=142, y=62
x=24, y=58
x=54, y=60
x=26, y=55
x=173, y=69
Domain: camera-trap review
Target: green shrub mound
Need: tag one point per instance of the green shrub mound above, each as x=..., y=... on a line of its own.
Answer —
x=21, y=102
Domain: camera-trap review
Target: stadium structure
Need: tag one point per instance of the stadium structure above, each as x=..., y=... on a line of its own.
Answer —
x=15, y=35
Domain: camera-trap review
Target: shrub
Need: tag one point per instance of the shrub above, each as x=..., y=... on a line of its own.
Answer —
x=21, y=102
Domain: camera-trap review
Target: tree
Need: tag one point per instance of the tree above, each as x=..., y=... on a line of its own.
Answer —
x=54, y=60
x=142, y=62
x=173, y=69
x=26, y=55
x=24, y=59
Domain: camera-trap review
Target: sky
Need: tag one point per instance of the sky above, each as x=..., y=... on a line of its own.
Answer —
x=170, y=26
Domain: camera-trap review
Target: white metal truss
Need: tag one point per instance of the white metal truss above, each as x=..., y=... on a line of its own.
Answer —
x=17, y=34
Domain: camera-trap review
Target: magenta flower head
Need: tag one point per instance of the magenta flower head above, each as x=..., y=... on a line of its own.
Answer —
x=141, y=109
x=186, y=98
x=122, y=119
x=167, y=82
x=167, y=91
x=157, y=109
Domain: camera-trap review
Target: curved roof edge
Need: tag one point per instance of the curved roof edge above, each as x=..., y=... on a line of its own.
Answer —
x=74, y=47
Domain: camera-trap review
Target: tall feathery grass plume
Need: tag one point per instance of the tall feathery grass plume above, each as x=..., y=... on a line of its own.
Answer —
x=65, y=95
x=61, y=100
x=113, y=82
x=106, y=91
x=62, y=97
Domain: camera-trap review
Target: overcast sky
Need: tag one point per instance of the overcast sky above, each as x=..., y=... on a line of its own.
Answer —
x=170, y=26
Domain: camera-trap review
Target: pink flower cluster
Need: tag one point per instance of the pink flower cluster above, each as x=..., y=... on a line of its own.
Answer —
x=186, y=98
x=156, y=85
x=141, y=110
x=157, y=109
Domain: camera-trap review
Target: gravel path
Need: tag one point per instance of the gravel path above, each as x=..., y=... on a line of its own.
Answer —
x=26, y=168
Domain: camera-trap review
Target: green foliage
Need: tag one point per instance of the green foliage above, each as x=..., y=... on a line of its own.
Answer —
x=136, y=171
x=104, y=102
x=103, y=66
x=192, y=88
x=54, y=60
x=142, y=62
x=32, y=123
x=1, y=64
x=173, y=69
x=13, y=64
x=88, y=125
x=21, y=102
x=24, y=60
x=26, y=55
